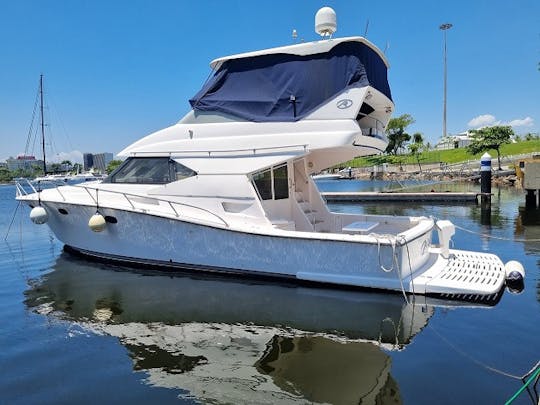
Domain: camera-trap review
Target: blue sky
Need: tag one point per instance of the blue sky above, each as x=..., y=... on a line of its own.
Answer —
x=118, y=70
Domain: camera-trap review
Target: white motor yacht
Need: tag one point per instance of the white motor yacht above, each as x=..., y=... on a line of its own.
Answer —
x=228, y=189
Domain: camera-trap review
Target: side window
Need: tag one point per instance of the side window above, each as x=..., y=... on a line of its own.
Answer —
x=272, y=183
x=281, y=183
x=263, y=182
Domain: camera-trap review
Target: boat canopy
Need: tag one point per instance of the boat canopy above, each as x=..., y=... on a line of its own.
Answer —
x=288, y=87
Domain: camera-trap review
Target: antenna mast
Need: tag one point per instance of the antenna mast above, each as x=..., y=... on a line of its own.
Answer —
x=42, y=124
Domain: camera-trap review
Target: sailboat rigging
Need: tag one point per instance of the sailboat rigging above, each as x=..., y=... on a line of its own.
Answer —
x=42, y=124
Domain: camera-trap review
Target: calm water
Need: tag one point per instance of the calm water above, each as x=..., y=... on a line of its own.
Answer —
x=73, y=331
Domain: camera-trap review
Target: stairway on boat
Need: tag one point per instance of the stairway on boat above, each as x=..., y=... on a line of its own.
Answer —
x=310, y=213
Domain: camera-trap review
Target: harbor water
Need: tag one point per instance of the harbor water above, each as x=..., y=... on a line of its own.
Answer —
x=77, y=331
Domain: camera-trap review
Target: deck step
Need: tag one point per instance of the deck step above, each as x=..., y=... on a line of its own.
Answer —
x=469, y=273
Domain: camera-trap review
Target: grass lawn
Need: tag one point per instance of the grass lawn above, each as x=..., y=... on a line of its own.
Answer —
x=448, y=156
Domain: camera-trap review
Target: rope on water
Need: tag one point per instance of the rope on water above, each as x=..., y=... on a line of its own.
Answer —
x=485, y=235
x=478, y=362
x=533, y=377
x=12, y=219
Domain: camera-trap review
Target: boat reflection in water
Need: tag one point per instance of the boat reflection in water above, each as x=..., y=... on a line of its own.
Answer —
x=230, y=342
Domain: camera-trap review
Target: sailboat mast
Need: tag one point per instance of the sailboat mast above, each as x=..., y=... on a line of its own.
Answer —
x=42, y=124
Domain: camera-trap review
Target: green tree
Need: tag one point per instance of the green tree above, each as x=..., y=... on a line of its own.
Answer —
x=55, y=167
x=417, y=147
x=5, y=175
x=77, y=168
x=113, y=164
x=395, y=130
x=490, y=138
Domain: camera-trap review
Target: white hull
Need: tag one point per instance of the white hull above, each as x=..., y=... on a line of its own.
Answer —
x=360, y=261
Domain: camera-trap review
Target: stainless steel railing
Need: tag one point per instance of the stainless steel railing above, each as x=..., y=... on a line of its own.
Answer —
x=176, y=208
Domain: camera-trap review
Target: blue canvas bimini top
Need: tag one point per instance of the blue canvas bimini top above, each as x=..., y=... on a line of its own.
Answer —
x=285, y=87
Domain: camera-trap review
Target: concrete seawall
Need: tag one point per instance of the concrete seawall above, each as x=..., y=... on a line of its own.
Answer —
x=447, y=197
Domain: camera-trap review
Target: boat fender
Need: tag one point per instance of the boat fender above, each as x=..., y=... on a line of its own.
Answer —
x=39, y=215
x=514, y=271
x=97, y=222
x=515, y=274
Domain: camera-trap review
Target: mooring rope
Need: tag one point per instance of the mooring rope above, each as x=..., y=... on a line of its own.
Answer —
x=468, y=356
x=392, y=239
x=403, y=242
x=534, y=376
x=12, y=219
x=485, y=235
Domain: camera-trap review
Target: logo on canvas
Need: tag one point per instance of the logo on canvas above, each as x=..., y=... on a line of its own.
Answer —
x=344, y=103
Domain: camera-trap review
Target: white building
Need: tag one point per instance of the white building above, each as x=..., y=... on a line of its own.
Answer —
x=460, y=140
x=23, y=162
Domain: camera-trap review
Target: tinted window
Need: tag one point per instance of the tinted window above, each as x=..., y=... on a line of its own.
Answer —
x=281, y=184
x=149, y=171
x=263, y=182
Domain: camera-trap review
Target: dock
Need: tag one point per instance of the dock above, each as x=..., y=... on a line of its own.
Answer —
x=446, y=197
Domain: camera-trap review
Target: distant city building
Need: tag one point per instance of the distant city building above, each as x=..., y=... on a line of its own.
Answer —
x=88, y=161
x=23, y=162
x=97, y=161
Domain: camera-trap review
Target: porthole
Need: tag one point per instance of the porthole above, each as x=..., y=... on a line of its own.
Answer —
x=110, y=219
x=62, y=211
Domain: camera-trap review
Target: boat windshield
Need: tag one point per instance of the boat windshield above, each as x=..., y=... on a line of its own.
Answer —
x=149, y=170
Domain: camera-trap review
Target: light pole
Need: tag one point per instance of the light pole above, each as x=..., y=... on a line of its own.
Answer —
x=444, y=28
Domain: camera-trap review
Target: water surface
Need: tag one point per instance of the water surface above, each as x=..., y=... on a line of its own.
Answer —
x=78, y=331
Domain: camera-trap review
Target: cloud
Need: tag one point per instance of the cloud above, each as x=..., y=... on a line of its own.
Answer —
x=487, y=120
x=74, y=156
x=483, y=121
x=525, y=122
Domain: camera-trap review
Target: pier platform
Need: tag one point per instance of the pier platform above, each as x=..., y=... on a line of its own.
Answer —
x=446, y=197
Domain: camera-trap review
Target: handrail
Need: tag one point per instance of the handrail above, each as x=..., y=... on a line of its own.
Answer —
x=168, y=202
x=210, y=152
x=21, y=191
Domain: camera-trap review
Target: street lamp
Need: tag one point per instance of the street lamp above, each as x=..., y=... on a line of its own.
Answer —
x=444, y=28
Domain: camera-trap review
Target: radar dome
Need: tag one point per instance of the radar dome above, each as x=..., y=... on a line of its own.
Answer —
x=325, y=22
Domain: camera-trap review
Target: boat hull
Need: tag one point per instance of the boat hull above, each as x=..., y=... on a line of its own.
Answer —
x=145, y=239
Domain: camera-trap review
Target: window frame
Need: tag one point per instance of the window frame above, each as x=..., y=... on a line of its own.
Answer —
x=172, y=169
x=272, y=169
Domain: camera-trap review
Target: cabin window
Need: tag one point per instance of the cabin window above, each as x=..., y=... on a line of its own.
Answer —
x=149, y=170
x=272, y=183
x=263, y=182
x=281, y=183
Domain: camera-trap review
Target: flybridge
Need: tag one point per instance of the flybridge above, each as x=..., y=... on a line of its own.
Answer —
x=287, y=84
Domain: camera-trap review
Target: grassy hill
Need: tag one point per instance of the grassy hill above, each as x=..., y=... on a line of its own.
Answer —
x=447, y=156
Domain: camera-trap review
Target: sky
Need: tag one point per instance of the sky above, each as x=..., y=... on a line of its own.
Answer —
x=115, y=71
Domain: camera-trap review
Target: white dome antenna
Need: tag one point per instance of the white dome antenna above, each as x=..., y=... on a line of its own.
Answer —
x=325, y=22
